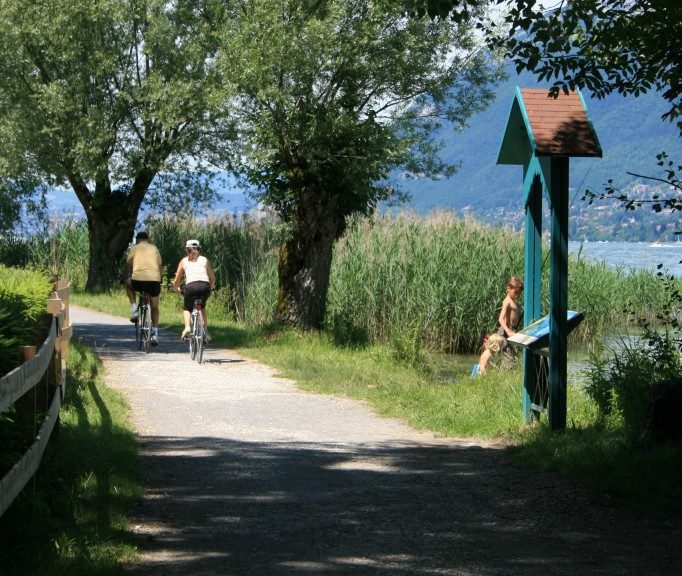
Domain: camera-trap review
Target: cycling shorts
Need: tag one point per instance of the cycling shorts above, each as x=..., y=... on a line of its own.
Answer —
x=195, y=290
x=149, y=286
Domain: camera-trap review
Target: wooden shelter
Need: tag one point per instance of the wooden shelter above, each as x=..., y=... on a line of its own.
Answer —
x=542, y=133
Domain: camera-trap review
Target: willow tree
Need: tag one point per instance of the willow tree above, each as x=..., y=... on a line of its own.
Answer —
x=104, y=96
x=336, y=95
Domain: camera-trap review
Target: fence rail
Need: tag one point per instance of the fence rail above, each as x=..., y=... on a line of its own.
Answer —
x=48, y=367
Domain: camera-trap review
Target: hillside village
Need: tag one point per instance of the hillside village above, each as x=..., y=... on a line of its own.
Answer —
x=603, y=220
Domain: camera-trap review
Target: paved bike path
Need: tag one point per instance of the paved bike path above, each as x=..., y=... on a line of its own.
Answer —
x=245, y=475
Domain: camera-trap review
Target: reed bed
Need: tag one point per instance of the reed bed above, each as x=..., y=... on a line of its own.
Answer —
x=420, y=284
x=242, y=252
x=61, y=249
x=436, y=281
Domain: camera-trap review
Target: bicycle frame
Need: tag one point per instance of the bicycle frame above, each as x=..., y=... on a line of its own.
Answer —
x=197, y=337
x=143, y=325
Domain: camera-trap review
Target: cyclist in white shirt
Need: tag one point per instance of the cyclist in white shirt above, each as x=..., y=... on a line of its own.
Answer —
x=199, y=281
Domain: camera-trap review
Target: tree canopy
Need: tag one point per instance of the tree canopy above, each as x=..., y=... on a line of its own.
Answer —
x=606, y=46
x=314, y=102
x=334, y=96
x=103, y=96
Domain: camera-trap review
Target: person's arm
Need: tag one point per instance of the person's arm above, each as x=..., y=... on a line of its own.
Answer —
x=505, y=313
x=128, y=268
x=178, y=275
x=159, y=263
x=211, y=275
x=483, y=361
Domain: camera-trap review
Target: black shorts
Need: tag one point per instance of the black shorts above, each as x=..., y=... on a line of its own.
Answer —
x=195, y=290
x=149, y=286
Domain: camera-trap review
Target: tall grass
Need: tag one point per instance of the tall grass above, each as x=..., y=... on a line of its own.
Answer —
x=242, y=252
x=610, y=296
x=440, y=281
x=433, y=283
x=63, y=253
x=437, y=280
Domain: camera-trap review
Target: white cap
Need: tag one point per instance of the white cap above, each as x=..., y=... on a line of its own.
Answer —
x=192, y=244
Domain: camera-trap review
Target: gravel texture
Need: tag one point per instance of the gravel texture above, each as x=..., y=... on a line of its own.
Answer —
x=247, y=475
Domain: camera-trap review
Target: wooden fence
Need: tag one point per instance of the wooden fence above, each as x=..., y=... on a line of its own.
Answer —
x=43, y=374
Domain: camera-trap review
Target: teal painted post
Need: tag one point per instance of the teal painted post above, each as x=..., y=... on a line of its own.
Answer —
x=532, y=286
x=558, y=293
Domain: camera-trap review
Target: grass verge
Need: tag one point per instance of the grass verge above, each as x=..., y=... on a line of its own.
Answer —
x=648, y=482
x=440, y=397
x=72, y=519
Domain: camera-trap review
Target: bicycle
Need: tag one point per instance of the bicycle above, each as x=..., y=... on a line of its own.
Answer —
x=197, y=334
x=143, y=324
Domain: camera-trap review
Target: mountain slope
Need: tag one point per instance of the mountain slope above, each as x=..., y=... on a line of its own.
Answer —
x=630, y=131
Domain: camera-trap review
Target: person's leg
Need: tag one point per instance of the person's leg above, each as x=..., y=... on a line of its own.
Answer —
x=205, y=296
x=130, y=292
x=189, y=295
x=205, y=317
x=187, y=317
x=154, y=305
x=508, y=357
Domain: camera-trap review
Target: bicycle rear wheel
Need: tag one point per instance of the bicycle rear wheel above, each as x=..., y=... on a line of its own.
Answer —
x=146, y=327
x=200, y=338
x=193, y=338
x=138, y=334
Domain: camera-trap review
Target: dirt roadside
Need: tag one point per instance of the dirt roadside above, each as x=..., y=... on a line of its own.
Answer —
x=247, y=475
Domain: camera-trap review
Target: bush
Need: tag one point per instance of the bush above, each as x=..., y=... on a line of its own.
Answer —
x=22, y=312
x=620, y=383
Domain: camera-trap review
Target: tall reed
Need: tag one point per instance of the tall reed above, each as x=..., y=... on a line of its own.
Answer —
x=420, y=283
x=611, y=298
x=437, y=280
x=242, y=252
x=61, y=249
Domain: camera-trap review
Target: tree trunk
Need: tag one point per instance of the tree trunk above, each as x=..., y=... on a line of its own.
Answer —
x=304, y=266
x=111, y=226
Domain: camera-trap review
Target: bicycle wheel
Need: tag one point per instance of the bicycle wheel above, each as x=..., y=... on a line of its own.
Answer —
x=193, y=338
x=146, y=327
x=201, y=338
x=139, y=323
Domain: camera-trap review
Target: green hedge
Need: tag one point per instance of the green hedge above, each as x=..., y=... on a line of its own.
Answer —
x=23, y=295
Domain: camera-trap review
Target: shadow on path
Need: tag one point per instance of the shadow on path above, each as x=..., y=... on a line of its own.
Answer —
x=116, y=337
x=277, y=508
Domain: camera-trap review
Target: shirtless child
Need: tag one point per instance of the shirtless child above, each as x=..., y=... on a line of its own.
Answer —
x=508, y=321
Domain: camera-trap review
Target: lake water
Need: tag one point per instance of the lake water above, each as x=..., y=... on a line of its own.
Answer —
x=632, y=255
x=625, y=255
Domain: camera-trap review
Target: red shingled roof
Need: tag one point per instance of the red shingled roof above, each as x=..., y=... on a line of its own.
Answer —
x=560, y=125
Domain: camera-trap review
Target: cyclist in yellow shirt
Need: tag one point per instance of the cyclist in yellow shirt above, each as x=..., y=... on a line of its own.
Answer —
x=143, y=271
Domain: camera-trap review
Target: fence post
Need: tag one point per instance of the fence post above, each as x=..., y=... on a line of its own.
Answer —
x=54, y=375
x=60, y=311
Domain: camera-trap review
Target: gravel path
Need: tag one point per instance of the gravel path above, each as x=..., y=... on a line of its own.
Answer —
x=247, y=475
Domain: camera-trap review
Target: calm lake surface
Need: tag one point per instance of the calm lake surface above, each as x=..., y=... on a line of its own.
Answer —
x=632, y=255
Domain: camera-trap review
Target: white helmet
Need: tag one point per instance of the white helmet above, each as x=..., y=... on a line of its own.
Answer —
x=192, y=244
